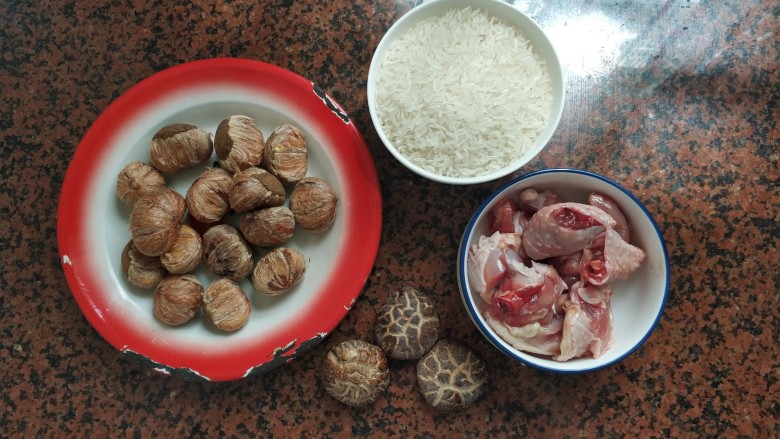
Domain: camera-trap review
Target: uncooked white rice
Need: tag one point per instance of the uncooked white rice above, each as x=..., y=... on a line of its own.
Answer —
x=462, y=95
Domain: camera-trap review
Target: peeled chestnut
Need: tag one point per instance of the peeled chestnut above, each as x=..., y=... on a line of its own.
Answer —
x=186, y=252
x=207, y=198
x=268, y=227
x=155, y=221
x=179, y=146
x=313, y=203
x=239, y=143
x=226, y=305
x=278, y=271
x=136, y=180
x=226, y=253
x=253, y=188
x=141, y=270
x=286, y=155
x=177, y=299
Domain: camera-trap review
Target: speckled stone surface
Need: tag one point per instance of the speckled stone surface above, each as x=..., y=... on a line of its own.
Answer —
x=679, y=101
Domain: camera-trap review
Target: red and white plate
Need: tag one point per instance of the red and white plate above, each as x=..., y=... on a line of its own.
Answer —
x=92, y=225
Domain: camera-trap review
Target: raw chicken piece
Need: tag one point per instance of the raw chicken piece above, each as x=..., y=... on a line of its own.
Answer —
x=531, y=200
x=609, y=206
x=568, y=267
x=608, y=257
x=507, y=218
x=563, y=229
x=527, y=294
x=535, y=338
x=520, y=221
x=502, y=217
x=587, y=326
x=488, y=261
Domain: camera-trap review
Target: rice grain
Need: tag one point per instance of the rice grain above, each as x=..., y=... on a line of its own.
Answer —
x=463, y=95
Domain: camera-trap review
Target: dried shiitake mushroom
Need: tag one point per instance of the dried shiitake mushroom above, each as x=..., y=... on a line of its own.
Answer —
x=155, y=221
x=207, y=197
x=355, y=372
x=313, y=203
x=285, y=154
x=226, y=305
x=278, y=271
x=226, y=253
x=177, y=299
x=141, y=270
x=179, y=146
x=451, y=376
x=136, y=180
x=268, y=227
x=186, y=252
x=253, y=188
x=407, y=325
x=239, y=143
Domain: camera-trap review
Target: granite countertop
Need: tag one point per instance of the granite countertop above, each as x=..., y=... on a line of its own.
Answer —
x=678, y=101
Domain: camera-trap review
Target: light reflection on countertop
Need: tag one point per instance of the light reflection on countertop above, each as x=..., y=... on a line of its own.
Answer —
x=590, y=44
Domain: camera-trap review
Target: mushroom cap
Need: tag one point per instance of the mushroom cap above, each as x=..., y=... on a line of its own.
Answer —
x=407, y=325
x=451, y=376
x=355, y=372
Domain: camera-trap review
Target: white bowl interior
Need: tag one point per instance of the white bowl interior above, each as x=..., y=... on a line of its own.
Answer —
x=495, y=8
x=637, y=302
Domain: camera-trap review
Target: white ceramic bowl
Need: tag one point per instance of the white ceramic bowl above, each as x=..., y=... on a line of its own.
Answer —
x=637, y=302
x=508, y=14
